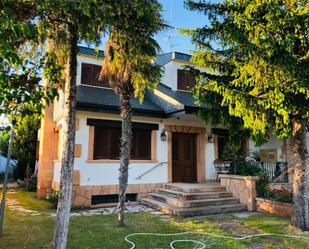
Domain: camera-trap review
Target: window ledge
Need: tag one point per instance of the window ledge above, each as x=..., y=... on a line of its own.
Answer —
x=118, y=161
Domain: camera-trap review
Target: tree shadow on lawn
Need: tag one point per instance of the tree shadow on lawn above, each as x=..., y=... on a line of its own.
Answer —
x=100, y=231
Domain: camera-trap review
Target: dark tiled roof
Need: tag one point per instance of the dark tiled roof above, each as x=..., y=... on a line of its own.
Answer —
x=163, y=59
x=182, y=56
x=90, y=51
x=104, y=99
x=184, y=97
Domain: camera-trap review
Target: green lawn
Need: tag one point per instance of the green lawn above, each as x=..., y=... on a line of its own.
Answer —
x=29, y=201
x=24, y=231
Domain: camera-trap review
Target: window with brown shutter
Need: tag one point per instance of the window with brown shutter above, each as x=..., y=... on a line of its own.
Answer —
x=107, y=143
x=90, y=75
x=185, y=80
x=141, y=145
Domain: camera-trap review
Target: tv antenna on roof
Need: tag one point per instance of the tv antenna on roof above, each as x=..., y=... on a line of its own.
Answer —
x=170, y=36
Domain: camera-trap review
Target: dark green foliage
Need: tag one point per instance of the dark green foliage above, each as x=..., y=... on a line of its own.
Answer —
x=256, y=53
x=32, y=184
x=131, y=47
x=279, y=195
x=262, y=185
x=264, y=191
x=53, y=197
x=244, y=168
x=24, y=145
x=21, y=60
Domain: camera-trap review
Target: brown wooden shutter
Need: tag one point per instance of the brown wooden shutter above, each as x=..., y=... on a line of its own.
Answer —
x=96, y=73
x=101, y=138
x=115, y=135
x=86, y=74
x=90, y=75
x=107, y=143
x=185, y=80
x=141, y=144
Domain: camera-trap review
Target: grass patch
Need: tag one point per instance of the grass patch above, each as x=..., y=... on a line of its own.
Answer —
x=97, y=232
x=29, y=200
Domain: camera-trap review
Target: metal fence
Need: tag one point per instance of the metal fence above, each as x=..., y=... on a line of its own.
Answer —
x=277, y=172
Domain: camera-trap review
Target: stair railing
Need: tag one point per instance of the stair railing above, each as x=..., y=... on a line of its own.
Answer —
x=149, y=170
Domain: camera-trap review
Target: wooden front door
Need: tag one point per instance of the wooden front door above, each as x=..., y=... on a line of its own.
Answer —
x=184, y=157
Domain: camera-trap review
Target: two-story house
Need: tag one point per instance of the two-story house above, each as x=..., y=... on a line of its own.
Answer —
x=170, y=143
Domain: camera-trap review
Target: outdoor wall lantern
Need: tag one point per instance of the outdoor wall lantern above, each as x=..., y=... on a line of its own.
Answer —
x=163, y=135
x=210, y=138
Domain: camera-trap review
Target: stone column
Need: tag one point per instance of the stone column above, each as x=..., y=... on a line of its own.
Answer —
x=242, y=187
x=46, y=153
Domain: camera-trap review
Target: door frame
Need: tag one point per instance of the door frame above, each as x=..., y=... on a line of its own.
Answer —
x=200, y=147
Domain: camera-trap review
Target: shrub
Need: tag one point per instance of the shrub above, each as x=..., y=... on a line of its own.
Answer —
x=281, y=195
x=53, y=197
x=20, y=182
x=32, y=184
x=244, y=168
x=262, y=185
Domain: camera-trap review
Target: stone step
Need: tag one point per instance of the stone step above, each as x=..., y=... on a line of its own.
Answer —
x=195, y=188
x=192, y=211
x=194, y=196
x=193, y=203
x=158, y=205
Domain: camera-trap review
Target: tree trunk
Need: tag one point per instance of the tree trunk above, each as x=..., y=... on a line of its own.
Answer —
x=28, y=174
x=6, y=178
x=125, y=150
x=65, y=195
x=300, y=217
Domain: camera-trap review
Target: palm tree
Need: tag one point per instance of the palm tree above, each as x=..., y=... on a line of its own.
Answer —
x=128, y=65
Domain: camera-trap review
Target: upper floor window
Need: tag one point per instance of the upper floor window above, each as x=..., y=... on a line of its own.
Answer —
x=90, y=75
x=185, y=80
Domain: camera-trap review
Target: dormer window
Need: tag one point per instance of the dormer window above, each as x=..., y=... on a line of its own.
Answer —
x=90, y=76
x=185, y=80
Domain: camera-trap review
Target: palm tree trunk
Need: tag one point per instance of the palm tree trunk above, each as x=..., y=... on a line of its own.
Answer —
x=64, y=202
x=300, y=216
x=125, y=150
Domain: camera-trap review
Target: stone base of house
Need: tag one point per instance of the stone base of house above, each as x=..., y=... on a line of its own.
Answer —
x=82, y=195
x=274, y=207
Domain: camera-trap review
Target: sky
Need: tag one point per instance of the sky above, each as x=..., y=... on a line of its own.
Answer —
x=175, y=14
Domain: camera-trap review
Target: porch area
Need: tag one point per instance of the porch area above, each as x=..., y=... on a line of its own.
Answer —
x=194, y=199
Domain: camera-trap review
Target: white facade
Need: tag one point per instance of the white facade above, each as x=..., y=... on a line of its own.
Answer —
x=105, y=172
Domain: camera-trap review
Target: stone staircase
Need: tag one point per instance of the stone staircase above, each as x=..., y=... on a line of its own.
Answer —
x=188, y=199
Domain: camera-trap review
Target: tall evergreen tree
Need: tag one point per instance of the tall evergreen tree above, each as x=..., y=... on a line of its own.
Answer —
x=258, y=60
x=128, y=64
x=20, y=63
